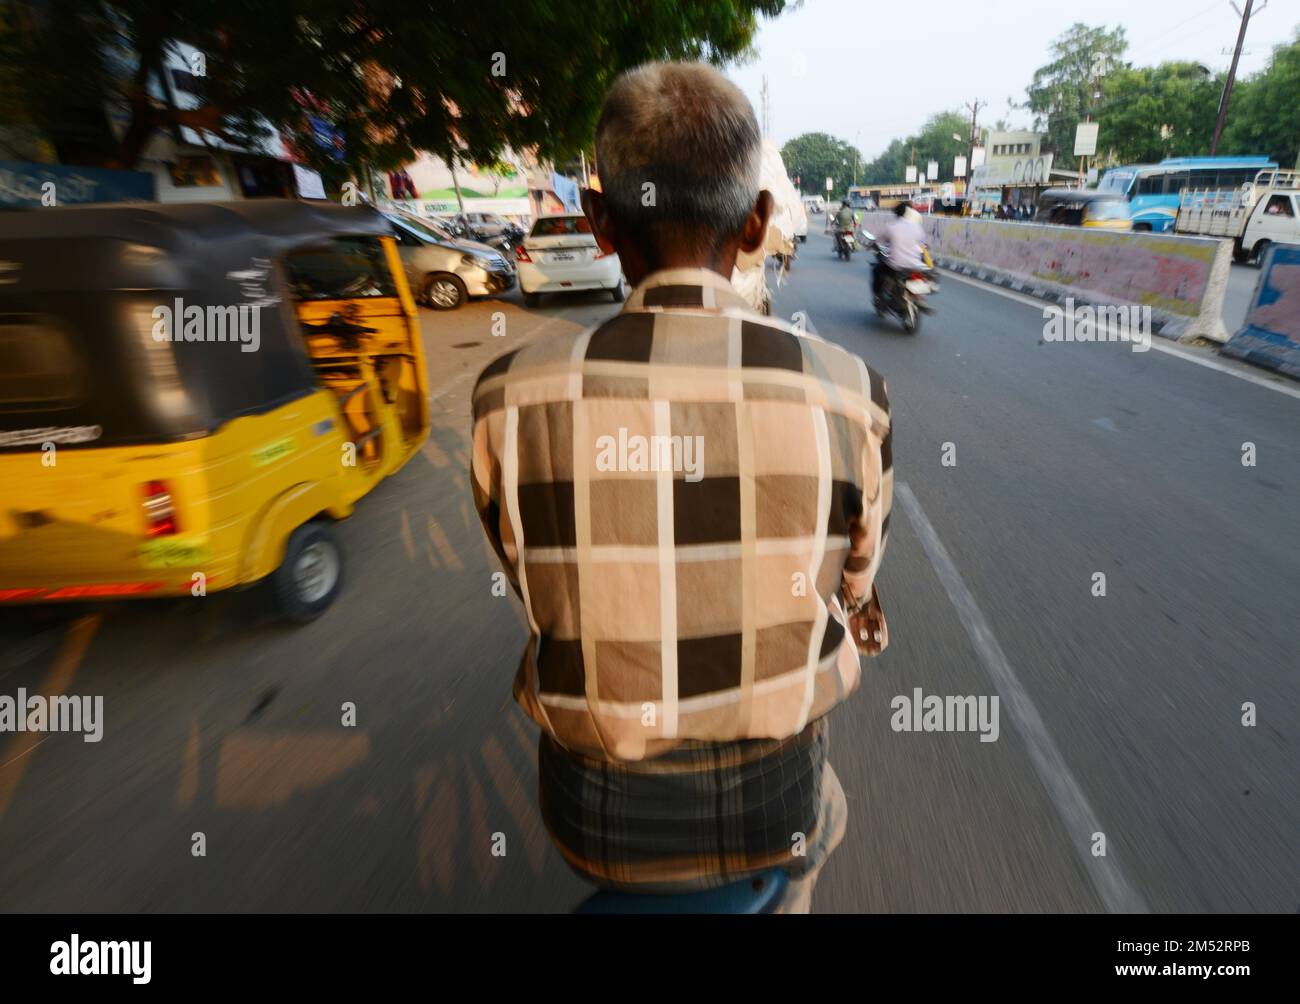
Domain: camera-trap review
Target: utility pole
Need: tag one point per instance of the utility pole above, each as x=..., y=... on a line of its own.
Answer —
x=767, y=109
x=1232, y=72
x=974, y=139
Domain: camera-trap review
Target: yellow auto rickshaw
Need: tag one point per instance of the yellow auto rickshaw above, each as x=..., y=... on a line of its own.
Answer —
x=190, y=395
x=1083, y=207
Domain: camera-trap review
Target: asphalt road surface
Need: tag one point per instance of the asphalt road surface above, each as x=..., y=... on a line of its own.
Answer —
x=1121, y=716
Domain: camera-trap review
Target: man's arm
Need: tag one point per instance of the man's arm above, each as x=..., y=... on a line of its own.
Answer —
x=485, y=480
x=868, y=532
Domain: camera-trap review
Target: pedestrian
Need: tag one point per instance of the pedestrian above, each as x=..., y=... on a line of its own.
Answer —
x=691, y=501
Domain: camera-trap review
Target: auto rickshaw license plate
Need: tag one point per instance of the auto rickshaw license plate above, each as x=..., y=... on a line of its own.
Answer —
x=173, y=553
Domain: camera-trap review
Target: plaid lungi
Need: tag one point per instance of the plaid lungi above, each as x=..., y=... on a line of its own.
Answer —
x=701, y=815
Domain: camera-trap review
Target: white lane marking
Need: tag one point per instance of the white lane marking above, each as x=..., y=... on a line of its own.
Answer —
x=1157, y=343
x=1080, y=821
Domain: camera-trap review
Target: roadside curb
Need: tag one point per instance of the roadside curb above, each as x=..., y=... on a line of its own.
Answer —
x=1164, y=324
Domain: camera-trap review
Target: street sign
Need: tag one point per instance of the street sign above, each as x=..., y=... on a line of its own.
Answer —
x=959, y=167
x=932, y=170
x=830, y=183
x=1085, y=139
x=911, y=174
x=976, y=157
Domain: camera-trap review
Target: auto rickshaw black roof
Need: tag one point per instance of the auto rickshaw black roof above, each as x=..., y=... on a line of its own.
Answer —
x=99, y=273
x=1079, y=195
x=283, y=219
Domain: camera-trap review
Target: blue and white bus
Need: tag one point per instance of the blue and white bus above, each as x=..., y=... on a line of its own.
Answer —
x=1153, y=190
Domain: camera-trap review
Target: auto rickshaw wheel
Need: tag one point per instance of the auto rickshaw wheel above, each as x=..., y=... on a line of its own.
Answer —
x=311, y=574
x=444, y=291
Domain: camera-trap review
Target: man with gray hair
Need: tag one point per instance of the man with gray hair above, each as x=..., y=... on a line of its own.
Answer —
x=688, y=630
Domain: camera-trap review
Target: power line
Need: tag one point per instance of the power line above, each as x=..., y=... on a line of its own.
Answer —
x=1169, y=31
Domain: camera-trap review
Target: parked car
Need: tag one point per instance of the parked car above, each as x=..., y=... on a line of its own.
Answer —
x=444, y=271
x=485, y=225
x=560, y=254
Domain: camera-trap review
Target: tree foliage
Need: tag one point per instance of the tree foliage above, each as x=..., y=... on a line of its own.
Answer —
x=933, y=142
x=1149, y=113
x=816, y=156
x=462, y=77
x=1064, y=91
x=1264, y=114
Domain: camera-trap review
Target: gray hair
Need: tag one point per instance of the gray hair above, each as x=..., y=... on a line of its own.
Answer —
x=678, y=148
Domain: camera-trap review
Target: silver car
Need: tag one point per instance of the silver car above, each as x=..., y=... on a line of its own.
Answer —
x=445, y=271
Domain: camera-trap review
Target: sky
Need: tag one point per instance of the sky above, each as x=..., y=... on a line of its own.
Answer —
x=869, y=71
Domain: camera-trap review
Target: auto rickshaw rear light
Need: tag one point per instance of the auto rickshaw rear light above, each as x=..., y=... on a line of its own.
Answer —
x=601, y=254
x=521, y=254
x=159, y=512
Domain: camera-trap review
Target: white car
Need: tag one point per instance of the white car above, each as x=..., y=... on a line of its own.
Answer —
x=560, y=255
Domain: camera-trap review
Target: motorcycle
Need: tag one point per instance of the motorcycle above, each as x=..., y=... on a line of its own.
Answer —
x=845, y=244
x=507, y=241
x=903, y=295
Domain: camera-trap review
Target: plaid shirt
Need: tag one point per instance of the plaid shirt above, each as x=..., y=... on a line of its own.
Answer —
x=687, y=498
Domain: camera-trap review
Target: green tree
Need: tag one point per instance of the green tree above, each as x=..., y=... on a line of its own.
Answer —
x=1064, y=91
x=816, y=156
x=459, y=78
x=933, y=142
x=1264, y=114
x=1147, y=114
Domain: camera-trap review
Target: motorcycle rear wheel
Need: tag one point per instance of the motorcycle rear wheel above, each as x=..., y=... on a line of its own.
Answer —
x=911, y=317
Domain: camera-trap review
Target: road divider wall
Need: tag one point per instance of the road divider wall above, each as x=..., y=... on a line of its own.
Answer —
x=1182, y=279
x=1270, y=336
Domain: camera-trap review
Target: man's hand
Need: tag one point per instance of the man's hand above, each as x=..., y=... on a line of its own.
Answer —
x=866, y=622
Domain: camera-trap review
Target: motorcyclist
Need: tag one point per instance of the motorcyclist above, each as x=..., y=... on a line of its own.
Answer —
x=906, y=240
x=844, y=223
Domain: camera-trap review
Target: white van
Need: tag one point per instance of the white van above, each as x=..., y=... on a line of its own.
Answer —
x=1252, y=217
x=814, y=204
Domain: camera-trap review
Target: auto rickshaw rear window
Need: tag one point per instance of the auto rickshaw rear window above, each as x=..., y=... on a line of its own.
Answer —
x=40, y=365
x=345, y=268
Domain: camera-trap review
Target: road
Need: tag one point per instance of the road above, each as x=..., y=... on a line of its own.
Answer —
x=1121, y=714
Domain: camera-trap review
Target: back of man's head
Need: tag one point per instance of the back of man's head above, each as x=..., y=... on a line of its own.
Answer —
x=678, y=150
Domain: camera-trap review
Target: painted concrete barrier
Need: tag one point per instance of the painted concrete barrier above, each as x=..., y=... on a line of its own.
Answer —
x=1182, y=279
x=1270, y=336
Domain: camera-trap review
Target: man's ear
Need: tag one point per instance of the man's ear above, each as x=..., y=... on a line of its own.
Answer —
x=602, y=224
x=755, y=233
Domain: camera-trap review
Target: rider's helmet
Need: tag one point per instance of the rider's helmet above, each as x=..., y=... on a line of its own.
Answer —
x=901, y=208
x=844, y=203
